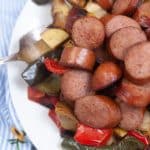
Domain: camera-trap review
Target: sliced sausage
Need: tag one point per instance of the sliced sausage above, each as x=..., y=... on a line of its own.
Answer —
x=77, y=57
x=125, y=6
x=106, y=4
x=106, y=74
x=142, y=11
x=97, y=111
x=74, y=14
x=124, y=38
x=88, y=32
x=76, y=84
x=118, y=22
x=135, y=95
x=137, y=63
x=132, y=117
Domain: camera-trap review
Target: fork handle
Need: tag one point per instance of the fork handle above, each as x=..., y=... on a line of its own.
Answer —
x=4, y=60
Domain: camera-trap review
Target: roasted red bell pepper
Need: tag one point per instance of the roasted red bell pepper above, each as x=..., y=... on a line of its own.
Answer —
x=54, y=66
x=34, y=94
x=139, y=136
x=92, y=137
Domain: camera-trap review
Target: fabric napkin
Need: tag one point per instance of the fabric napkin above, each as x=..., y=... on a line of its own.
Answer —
x=9, y=11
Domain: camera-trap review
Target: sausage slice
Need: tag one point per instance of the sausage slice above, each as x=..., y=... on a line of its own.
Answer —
x=78, y=57
x=106, y=4
x=137, y=63
x=106, y=74
x=117, y=22
x=132, y=117
x=124, y=38
x=97, y=111
x=125, y=6
x=76, y=84
x=88, y=32
x=135, y=95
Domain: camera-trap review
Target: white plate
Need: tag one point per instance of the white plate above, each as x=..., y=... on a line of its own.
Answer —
x=33, y=117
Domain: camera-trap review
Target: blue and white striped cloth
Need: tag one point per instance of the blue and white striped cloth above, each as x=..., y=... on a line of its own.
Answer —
x=9, y=11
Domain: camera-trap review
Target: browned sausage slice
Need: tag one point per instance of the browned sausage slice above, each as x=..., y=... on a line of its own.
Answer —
x=125, y=6
x=88, y=32
x=142, y=11
x=106, y=74
x=132, y=117
x=133, y=94
x=124, y=38
x=137, y=63
x=118, y=22
x=76, y=84
x=106, y=4
x=97, y=111
x=77, y=57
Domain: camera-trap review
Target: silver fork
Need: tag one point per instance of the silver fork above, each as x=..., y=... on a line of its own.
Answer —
x=27, y=49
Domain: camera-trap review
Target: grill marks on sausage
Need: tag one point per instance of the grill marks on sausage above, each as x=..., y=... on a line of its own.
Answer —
x=97, y=111
x=124, y=38
x=88, y=32
x=137, y=63
x=117, y=22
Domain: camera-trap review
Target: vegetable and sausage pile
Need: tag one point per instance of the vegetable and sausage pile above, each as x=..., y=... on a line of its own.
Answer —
x=93, y=72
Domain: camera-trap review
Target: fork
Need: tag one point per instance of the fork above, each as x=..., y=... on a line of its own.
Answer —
x=28, y=50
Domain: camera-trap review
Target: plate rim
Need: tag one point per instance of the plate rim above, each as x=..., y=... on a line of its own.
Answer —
x=11, y=45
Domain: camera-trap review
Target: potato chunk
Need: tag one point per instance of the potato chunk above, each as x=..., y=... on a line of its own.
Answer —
x=66, y=116
x=54, y=37
x=95, y=10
